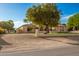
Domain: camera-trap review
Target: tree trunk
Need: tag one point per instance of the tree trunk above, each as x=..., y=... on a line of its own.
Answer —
x=47, y=29
x=73, y=28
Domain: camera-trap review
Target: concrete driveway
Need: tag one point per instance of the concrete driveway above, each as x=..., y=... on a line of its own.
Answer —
x=15, y=43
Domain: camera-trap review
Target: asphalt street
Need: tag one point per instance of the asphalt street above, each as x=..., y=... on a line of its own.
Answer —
x=61, y=51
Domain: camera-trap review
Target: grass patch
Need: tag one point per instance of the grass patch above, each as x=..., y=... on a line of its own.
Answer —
x=73, y=43
x=63, y=33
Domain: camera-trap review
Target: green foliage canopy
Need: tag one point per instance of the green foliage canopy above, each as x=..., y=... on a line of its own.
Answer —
x=44, y=14
x=73, y=21
x=7, y=24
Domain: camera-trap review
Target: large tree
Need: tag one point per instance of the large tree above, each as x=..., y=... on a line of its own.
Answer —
x=46, y=15
x=73, y=22
x=8, y=25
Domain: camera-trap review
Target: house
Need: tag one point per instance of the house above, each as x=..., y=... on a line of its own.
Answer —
x=26, y=28
x=61, y=28
x=31, y=28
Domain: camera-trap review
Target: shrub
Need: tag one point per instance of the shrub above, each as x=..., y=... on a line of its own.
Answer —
x=29, y=29
x=2, y=30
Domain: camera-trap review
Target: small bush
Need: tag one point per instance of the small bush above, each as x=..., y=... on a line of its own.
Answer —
x=2, y=30
x=29, y=29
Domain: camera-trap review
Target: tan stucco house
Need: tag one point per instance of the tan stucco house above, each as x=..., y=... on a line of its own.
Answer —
x=26, y=28
x=61, y=28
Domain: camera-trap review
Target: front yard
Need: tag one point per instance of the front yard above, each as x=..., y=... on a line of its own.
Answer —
x=75, y=33
x=27, y=42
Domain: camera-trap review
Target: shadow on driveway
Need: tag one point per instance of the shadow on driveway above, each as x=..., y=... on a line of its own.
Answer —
x=74, y=38
x=3, y=42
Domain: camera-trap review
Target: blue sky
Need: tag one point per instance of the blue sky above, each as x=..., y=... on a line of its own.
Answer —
x=17, y=11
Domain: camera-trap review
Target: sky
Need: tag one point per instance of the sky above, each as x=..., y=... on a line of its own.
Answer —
x=17, y=11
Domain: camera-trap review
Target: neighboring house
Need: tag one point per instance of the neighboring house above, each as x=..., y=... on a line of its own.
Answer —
x=25, y=28
x=31, y=28
x=61, y=28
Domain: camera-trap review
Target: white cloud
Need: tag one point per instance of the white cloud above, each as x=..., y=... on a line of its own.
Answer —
x=65, y=18
x=19, y=23
x=2, y=20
